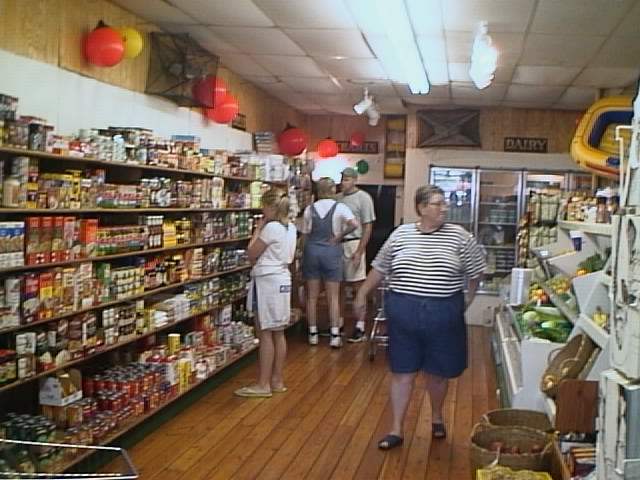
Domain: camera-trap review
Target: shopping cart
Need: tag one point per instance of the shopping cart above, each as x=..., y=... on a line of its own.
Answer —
x=118, y=460
x=378, y=335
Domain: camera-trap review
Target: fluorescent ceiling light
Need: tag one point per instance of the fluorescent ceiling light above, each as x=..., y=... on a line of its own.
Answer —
x=400, y=56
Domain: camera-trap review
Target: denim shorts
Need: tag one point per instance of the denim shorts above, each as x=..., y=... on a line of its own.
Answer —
x=427, y=333
x=322, y=262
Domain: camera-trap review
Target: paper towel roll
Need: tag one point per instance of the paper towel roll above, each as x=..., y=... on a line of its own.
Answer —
x=520, y=281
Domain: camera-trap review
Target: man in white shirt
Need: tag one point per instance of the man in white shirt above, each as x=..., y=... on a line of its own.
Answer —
x=354, y=244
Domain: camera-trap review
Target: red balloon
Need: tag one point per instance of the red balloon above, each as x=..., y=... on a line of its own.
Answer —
x=210, y=91
x=225, y=112
x=292, y=141
x=104, y=47
x=356, y=139
x=327, y=148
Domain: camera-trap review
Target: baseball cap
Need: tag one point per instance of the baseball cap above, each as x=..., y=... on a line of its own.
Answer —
x=350, y=172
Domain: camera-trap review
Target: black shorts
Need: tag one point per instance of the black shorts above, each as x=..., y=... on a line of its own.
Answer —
x=427, y=333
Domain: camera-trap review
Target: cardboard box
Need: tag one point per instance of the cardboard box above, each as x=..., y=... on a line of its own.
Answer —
x=61, y=389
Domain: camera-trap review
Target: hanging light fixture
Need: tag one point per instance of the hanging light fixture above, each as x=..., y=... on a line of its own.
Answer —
x=484, y=58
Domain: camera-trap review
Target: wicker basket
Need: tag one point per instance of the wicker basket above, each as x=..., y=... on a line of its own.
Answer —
x=524, y=438
x=567, y=363
x=514, y=417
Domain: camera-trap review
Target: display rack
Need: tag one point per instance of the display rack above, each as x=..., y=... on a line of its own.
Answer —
x=523, y=359
x=26, y=401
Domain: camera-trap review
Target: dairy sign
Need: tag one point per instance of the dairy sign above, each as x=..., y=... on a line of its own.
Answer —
x=526, y=144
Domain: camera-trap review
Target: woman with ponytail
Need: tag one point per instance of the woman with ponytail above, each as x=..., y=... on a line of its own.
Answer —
x=271, y=250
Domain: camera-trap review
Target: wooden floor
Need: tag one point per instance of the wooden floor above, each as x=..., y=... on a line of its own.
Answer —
x=325, y=427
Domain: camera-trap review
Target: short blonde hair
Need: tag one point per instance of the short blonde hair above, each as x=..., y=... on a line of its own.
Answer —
x=326, y=188
x=280, y=200
x=424, y=195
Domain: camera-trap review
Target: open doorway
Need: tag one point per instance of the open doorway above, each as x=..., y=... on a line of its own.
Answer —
x=384, y=202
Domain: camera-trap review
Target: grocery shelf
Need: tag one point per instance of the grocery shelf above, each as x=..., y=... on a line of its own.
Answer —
x=134, y=253
x=147, y=293
x=598, y=334
x=56, y=211
x=594, y=228
x=129, y=340
x=105, y=164
x=131, y=423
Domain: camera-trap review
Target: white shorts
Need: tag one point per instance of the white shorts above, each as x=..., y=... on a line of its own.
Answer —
x=353, y=272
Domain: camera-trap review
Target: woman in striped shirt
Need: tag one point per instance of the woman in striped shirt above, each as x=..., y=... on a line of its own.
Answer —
x=425, y=265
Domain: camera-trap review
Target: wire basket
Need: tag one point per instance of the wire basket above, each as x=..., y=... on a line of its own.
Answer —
x=482, y=452
x=122, y=462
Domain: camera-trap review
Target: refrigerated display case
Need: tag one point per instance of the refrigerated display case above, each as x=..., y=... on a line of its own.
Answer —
x=491, y=203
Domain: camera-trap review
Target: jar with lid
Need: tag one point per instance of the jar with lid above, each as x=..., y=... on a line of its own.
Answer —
x=602, y=213
x=11, y=192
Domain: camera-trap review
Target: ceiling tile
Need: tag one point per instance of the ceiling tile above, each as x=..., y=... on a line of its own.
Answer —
x=292, y=97
x=340, y=109
x=389, y=102
x=578, y=96
x=426, y=16
x=266, y=41
x=474, y=102
x=332, y=99
x=504, y=73
x=353, y=68
x=438, y=91
x=262, y=80
x=331, y=43
x=242, y=64
x=307, y=13
x=289, y=65
x=385, y=88
x=466, y=91
x=598, y=17
x=607, y=77
x=314, y=111
x=618, y=52
x=502, y=15
x=241, y=13
x=311, y=85
x=541, y=75
x=533, y=93
x=156, y=11
x=209, y=40
x=459, y=45
x=426, y=100
x=560, y=50
x=509, y=46
x=629, y=25
x=459, y=72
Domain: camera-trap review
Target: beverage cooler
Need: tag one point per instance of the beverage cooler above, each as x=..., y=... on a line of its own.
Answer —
x=490, y=202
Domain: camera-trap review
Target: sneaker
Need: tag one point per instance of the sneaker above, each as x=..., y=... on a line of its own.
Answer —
x=313, y=338
x=336, y=341
x=357, y=336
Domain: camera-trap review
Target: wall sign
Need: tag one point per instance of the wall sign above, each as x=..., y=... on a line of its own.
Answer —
x=526, y=144
x=239, y=122
x=344, y=146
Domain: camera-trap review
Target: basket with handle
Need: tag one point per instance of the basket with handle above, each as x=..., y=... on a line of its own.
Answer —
x=483, y=439
x=515, y=417
x=566, y=362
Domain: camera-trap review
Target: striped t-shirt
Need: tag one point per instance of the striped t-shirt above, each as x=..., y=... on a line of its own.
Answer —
x=429, y=264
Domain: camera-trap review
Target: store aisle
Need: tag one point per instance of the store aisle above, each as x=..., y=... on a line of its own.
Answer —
x=325, y=427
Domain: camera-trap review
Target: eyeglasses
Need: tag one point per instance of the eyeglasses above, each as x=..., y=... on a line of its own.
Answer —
x=442, y=204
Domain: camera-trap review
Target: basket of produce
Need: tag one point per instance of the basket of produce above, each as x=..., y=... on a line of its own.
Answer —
x=499, y=472
x=566, y=362
x=515, y=417
x=520, y=448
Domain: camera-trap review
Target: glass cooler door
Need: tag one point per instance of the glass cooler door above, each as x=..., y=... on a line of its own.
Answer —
x=497, y=223
x=459, y=191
